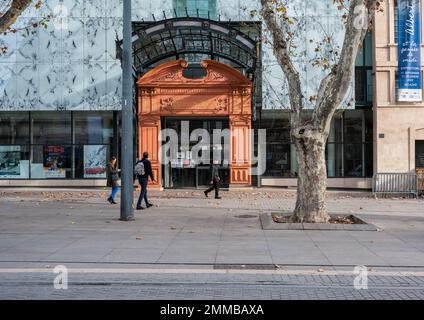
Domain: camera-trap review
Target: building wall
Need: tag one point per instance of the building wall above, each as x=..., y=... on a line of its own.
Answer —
x=71, y=64
x=396, y=124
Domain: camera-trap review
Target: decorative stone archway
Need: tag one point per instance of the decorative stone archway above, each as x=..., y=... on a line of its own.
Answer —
x=223, y=92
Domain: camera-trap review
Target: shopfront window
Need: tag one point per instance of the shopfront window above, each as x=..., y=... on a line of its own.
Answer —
x=280, y=153
x=349, y=151
x=14, y=145
x=91, y=161
x=51, y=162
x=56, y=145
x=14, y=161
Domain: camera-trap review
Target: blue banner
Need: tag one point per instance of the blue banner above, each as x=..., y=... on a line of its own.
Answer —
x=409, y=49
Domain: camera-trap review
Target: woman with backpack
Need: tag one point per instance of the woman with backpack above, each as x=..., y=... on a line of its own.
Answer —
x=112, y=179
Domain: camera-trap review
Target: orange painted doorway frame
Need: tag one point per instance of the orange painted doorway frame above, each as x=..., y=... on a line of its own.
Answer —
x=223, y=92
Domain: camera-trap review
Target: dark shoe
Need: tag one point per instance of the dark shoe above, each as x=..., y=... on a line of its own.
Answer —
x=139, y=208
x=206, y=194
x=218, y=198
x=149, y=205
x=113, y=202
x=109, y=200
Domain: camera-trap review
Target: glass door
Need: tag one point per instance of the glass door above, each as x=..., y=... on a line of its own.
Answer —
x=183, y=172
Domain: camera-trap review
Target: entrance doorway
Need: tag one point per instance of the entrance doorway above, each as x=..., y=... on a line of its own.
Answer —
x=219, y=100
x=183, y=172
x=419, y=155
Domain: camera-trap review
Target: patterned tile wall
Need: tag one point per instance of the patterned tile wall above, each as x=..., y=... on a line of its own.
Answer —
x=71, y=64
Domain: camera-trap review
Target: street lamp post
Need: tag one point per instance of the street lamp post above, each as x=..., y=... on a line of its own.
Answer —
x=127, y=193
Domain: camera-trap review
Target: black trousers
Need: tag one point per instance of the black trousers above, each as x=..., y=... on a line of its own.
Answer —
x=214, y=186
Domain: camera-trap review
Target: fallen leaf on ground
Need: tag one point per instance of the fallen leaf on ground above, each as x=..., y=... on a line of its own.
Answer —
x=321, y=270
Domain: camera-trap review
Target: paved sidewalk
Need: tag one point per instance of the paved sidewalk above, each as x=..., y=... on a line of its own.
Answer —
x=208, y=286
x=185, y=228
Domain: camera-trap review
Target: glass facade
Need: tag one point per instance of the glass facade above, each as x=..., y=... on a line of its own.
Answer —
x=349, y=151
x=193, y=8
x=363, y=74
x=60, y=89
x=56, y=145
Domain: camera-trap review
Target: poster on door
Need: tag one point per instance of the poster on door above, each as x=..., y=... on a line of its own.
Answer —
x=95, y=161
x=54, y=162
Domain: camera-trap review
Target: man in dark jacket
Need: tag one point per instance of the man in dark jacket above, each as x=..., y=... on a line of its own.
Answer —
x=215, y=179
x=143, y=180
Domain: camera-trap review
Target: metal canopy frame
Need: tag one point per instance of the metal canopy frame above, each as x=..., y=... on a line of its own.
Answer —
x=171, y=38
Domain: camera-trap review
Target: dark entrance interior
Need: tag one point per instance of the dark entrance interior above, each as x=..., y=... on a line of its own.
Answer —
x=419, y=154
x=182, y=172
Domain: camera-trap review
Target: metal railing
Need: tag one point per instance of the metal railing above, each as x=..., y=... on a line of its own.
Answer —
x=397, y=183
x=420, y=183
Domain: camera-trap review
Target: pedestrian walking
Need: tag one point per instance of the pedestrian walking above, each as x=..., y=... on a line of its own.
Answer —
x=112, y=179
x=143, y=170
x=215, y=180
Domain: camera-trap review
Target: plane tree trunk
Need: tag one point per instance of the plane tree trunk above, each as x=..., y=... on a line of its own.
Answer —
x=312, y=177
x=310, y=136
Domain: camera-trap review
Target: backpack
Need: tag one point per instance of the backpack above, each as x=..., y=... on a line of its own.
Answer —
x=139, y=169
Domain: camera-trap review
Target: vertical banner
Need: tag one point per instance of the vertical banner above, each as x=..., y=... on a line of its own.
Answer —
x=409, y=49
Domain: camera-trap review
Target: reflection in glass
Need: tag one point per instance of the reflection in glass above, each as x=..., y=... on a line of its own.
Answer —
x=51, y=128
x=14, y=127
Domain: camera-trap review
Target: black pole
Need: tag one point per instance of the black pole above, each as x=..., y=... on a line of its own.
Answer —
x=127, y=192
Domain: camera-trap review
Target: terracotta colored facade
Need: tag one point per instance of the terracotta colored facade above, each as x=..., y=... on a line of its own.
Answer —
x=223, y=92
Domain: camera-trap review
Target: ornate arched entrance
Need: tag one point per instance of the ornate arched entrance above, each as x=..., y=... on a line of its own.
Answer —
x=223, y=93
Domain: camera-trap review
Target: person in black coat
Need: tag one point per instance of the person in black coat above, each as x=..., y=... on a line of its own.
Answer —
x=143, y=180
x=112, y=179
x=215, y=180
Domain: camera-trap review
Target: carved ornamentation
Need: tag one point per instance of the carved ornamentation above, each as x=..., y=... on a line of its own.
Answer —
x=221, y=104
x=240, y=121
x=215, y=76
x=167, y=104
x=170, y=76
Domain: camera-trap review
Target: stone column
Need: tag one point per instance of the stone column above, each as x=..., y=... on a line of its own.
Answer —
x=240, y=164
x=149, y=140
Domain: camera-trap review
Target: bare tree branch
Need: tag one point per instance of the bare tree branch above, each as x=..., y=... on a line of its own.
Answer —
x=281, y=51
x=15, y=10
x=334, y=87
